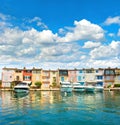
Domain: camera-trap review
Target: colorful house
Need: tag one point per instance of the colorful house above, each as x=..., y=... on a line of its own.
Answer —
x=72, y=75
x=90, y=76
x=99, y=76
x=7, y=76
x=54, y=78
x=63, y=75
x=80, y=76
x=117, y=76
x=36, y=76
x=45, y=78
x=18, y=75
x=109, y=76
x=27, y=75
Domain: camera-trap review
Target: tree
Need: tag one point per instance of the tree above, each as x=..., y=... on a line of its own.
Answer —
x=54, y=84
x=38, y=84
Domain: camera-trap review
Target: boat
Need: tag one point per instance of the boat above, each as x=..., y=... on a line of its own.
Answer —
x=66, y=87
x=98, y=88
x=77, y=87
x=21, y=87
x=89, y=88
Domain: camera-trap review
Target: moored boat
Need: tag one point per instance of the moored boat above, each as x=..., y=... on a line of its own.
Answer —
x=66, y=87
x=99, y=88
x=21, y=87
x=89, y=88
x=77, y=87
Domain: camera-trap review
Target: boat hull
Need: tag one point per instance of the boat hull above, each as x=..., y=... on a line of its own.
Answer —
x=66, y=89
x=89, y=89
x=98, y=89
x=78, y=89
x=21, y=90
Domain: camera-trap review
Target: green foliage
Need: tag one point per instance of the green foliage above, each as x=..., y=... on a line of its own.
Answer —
x=54, y=84
x=116, y=85
x=13, y=83
x=38, y=84
x=108, y=86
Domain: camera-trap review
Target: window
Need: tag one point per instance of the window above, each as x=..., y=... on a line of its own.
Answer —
x=80, y=71
x=17, y=78
x=79, y=78
x=107, y=77
x=27, y=78
x=118, y=77
x=62, y=79
x=100, y=83
x=109, y=72
x=99, y=77
x=63, y=72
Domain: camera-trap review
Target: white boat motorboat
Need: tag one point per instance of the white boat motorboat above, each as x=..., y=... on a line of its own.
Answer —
x=21, y=87
x=66, y=87
x=77, y=87
x=99, y=88
x=89, y=88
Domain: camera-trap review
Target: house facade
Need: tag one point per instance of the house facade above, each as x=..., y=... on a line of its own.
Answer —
x=7, y=76
x=36, y=76
x=72, y=75
x=54, y=78
x=45, y=79
x=62, y=75
x=27, y=75
x=109, y=76
x=90, y=76
x=18, y=75
x=99, y=77
x=117, y=76
x=81, y=76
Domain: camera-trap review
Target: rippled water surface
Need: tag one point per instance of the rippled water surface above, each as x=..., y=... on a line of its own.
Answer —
x=55, y=108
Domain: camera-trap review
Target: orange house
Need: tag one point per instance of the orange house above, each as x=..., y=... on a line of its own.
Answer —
x=27, y=75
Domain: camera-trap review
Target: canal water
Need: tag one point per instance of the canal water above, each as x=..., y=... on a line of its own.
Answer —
x=56, y=108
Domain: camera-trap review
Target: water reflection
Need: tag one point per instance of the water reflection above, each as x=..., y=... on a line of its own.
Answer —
x=19, y=95
x=50, y=106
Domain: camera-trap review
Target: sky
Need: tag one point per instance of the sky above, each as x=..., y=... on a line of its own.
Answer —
x=52, y=34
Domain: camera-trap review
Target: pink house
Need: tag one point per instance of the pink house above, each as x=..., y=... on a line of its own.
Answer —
x=7, y=76
x=72, y=75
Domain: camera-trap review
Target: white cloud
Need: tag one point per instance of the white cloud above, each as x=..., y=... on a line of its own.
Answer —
x=11, y=36
x=39, y=22
x=4, y=17
x=46, y=49
x=112, y=20
x=37, y=37
x=83, y=30
x=105, y=52
x=111, y=34
x=90, y=44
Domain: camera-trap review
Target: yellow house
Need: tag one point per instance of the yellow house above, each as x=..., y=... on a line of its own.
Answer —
x=90, y=76
x=54, y=78
x=62, y=75
x=45, y=79
x=117, y=76
x=18, y=75
x=36, y=76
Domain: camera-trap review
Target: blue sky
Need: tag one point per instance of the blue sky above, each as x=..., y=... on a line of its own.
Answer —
x=55, y=34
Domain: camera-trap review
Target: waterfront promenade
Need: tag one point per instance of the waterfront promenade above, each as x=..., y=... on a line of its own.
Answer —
x=56, y=89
